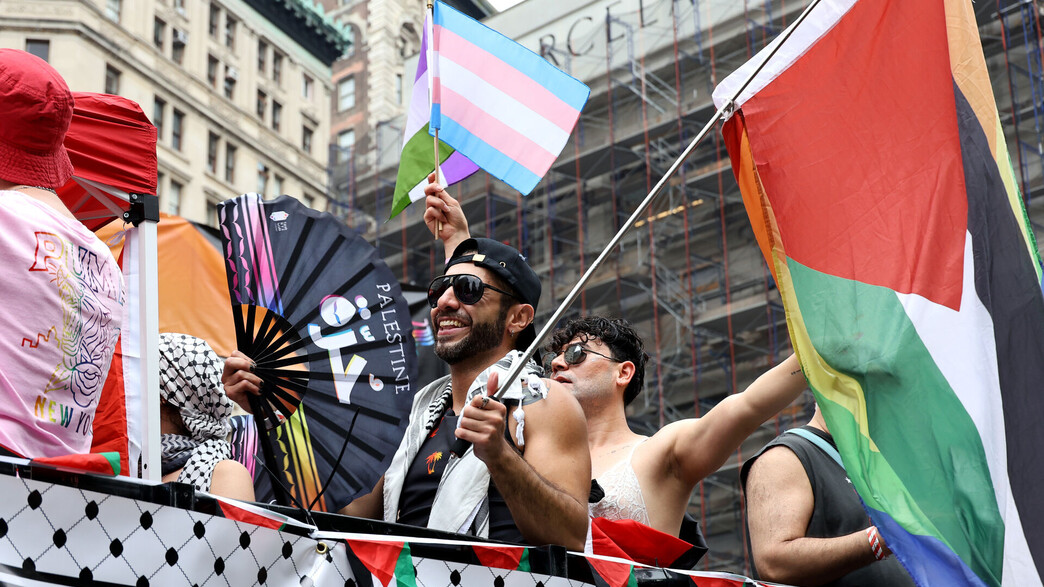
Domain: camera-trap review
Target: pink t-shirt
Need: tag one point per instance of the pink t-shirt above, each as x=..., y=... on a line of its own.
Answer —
x=61, y=307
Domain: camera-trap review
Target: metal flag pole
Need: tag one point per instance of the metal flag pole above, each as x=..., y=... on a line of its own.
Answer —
x=438, y=176
x=725, y=109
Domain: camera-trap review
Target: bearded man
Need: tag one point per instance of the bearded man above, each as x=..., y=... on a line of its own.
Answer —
x=527, y=477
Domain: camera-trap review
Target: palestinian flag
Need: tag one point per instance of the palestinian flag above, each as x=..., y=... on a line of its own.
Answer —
x=611, y=571
x=249, y=513
x=417, y=160
x=874, y=170
x=380, y=563
x=100, y=463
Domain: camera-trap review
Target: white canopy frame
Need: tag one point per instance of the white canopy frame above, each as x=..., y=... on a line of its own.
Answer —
x=139, y=338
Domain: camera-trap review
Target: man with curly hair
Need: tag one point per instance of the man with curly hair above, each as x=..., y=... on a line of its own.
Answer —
x=650, y=479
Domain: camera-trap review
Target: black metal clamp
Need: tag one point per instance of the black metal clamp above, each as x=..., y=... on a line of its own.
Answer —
x=143, y=207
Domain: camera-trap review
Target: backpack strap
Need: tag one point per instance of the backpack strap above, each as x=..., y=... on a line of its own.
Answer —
x=817, y=440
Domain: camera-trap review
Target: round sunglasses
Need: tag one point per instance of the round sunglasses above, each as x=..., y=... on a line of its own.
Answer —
x=467, y=288
x=574, y=354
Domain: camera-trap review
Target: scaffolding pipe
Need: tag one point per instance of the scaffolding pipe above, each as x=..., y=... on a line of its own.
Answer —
x=612, y=138
x=579, y=210
x=1014, y=107
x=405, y=248
x=549, y=191
x=652, y=235
x=688, y=250
x=377, y=186
x=1036, y=91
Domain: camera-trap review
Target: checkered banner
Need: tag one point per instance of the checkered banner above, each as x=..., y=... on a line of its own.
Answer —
x=59, y=534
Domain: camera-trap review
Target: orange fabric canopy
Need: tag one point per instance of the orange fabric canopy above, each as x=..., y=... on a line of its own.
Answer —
x=193, y=292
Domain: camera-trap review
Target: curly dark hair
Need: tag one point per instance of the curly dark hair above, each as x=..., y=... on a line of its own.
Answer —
x=617, y=334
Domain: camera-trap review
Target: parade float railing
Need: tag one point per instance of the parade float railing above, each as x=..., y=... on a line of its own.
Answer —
x=63, y=527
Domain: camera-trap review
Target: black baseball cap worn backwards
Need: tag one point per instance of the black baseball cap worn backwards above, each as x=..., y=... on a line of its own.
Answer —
x=508, y=264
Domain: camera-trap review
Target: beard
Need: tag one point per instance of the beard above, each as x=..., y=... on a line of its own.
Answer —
x=483, y=336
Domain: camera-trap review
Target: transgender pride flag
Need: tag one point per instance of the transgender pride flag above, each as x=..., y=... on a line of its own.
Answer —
x=497, y=103
x=874, y=169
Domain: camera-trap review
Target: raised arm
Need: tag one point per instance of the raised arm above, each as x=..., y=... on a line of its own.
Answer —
x=444, y=212
x=698, y=447
x=779, y=507
x=546, y=490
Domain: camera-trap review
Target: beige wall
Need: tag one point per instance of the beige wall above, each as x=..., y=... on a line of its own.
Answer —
x=83, y=42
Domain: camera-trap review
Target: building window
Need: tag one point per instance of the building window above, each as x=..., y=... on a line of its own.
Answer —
x=179, y=5
x=230, y=163
x=262, y=178
x=350, y=48
x=231, y=75
x=307, y=87
x=346, y=94
x=277, y=184
x=230, y=32
x=177, y=123
x=212, y=212
x=112, y=80
x=212, y=70
x=212, y=149
x=277, y=115
x=398, y=88
x=262, y=56
x=112, y=10
x=308, y=201
x=157, y=116
x=215, y=16
x=262, y=104
x=39, y=47
x=277, y=67
x=174, y=198
x=177, y=45
x=306, y=139
x=159, y=33
x=345, y=142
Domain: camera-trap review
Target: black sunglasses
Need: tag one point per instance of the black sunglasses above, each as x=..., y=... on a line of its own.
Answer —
x=468, y=289
x=574, y=354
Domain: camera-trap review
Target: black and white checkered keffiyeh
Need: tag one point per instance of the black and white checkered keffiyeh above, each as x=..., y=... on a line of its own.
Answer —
x=190, y=380
x=461, y=500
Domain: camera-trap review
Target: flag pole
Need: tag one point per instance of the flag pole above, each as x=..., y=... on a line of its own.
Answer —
x=438, y=173
x=725, y=110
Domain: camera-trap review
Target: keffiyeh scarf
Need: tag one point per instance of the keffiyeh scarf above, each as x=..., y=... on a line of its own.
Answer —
x=463, y=507
x=190, y=380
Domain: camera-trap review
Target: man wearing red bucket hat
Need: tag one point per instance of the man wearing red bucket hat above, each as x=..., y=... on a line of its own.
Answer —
x=62, y=294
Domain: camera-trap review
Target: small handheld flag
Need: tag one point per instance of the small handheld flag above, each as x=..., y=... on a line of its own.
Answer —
x=498, y=103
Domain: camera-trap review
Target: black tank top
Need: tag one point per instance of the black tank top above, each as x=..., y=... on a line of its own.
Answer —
x=422, y=481
x=837, y=510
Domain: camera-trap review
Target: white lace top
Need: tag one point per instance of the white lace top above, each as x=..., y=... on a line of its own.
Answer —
x=623, y=494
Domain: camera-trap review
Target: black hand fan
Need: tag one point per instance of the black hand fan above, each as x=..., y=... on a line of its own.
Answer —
x=325, y=321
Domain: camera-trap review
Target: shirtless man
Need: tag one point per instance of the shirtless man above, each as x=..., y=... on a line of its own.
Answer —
x=650, y=479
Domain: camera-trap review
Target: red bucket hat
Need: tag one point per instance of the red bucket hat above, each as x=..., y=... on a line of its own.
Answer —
x=36, y=107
